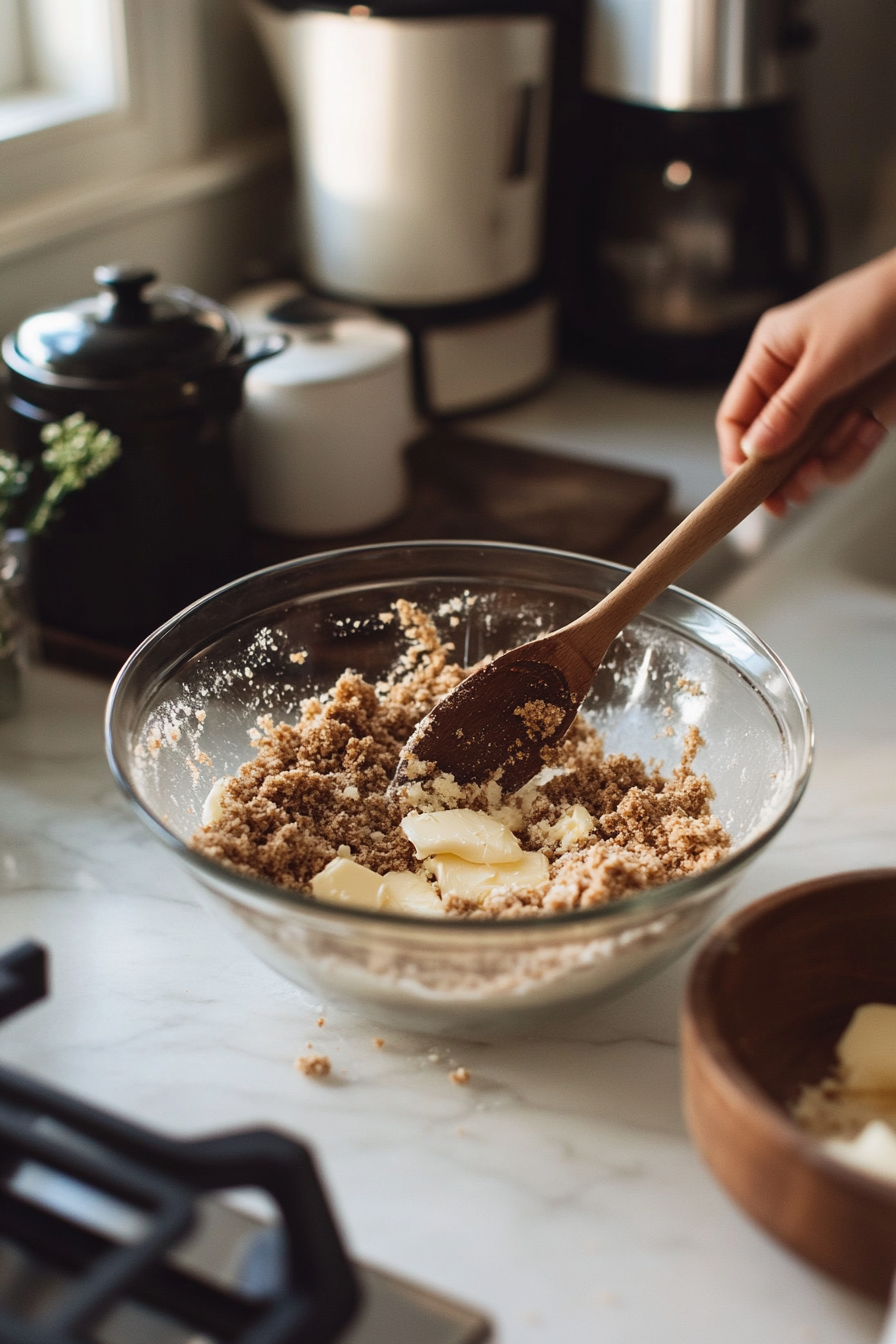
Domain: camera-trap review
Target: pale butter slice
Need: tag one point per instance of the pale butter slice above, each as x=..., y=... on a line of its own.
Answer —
x=867, y=1049
x=348, y=883
x=873, y=1151
x=212, y=808
x=469, y=835
x=410, y=894
x=575, y=825
x=475, y=880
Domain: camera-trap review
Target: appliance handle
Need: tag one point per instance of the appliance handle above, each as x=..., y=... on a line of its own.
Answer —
x=258, y=348
x=794, y=177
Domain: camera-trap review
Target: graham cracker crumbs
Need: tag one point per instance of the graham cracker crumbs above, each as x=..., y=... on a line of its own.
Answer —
x=313, y=1065
x=378, y=1042
x=540, y=719
x=298, y=657
x=692, y=687
x=317, y=790
x=321, y=1022
x=460, y=1076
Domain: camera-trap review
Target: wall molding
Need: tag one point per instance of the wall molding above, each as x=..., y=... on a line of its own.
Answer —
x=51, y=219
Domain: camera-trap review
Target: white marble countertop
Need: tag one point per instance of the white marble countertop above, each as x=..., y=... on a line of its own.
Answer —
x=558, y=1190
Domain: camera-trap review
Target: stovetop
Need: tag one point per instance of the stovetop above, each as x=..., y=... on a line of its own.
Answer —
x=112, y=1234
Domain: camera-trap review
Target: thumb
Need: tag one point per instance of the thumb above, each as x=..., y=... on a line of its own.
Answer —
x=784, y=416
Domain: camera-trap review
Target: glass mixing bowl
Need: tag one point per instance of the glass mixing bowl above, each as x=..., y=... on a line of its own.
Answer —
x=185, y=705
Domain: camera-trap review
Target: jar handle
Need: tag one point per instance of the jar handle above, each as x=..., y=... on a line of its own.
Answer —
x=258, y=348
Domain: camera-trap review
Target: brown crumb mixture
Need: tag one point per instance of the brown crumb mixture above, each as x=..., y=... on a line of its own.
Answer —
x=539, y=718
x=314, y=1065
x=316, y=790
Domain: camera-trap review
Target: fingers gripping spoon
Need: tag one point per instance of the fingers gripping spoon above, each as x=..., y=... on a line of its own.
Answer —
x=499, y=722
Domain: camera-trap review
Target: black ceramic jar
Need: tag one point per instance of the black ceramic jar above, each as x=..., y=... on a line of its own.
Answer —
x=163, y=368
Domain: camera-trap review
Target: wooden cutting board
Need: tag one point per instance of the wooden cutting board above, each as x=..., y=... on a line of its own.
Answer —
x=475, y=488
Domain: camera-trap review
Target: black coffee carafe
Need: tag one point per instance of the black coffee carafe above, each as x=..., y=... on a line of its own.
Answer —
x=695, y=213
x=163, y=369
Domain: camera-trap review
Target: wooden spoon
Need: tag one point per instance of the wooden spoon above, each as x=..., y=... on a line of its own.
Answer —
x=500, y=721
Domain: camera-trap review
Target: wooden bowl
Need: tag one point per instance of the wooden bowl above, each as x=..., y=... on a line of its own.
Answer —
x=767, y=1000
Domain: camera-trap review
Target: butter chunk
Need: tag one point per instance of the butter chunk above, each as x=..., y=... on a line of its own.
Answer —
x=410, y=894
x=348, y=883
x=469, y=835
x=212, y=808
x=575, y=825
x=476, y=880
x=874, y=1150
x=867, y=1049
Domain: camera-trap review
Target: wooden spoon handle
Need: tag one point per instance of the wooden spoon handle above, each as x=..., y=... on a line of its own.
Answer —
x=743, y=491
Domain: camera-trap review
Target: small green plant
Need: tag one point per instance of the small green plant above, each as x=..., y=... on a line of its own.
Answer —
x=13, y=480
x=77, y=450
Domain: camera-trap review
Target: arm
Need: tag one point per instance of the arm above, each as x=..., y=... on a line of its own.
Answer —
x=801, y=355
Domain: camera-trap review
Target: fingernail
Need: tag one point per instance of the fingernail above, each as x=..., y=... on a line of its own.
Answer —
x=757, y=440
x=869, y=433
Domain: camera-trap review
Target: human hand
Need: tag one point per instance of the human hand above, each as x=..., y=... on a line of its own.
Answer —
x=800, y=356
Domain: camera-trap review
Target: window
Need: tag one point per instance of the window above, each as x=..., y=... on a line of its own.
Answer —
x=60, y=60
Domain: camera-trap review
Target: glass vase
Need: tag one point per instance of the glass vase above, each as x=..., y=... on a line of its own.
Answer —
x=15, y=625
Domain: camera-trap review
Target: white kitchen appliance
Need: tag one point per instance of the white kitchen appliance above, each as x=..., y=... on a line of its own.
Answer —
x=321, y=435
x=420, y=136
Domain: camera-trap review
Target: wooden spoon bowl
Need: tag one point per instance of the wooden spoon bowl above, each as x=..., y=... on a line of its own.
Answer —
x=767, y=1000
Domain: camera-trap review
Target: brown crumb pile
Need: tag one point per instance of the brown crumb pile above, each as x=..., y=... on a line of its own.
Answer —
x=316, y=790
x=314, y=1065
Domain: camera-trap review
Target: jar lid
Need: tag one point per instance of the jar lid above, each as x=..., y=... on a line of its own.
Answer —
x=346, y=349
x=122, y=335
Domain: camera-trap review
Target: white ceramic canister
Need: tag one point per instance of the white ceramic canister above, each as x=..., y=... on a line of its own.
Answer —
x=325, y=424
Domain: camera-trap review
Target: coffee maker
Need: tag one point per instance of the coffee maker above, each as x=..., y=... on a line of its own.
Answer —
x=420, y=130
x=695, y=213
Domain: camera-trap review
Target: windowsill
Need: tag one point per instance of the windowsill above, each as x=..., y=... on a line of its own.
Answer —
x=23, y=113
x=58, y=217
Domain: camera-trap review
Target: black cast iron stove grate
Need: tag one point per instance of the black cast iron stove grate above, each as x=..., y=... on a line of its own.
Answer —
x=125, y=1270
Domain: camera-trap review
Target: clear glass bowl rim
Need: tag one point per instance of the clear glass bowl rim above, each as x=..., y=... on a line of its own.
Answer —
x=647, y=902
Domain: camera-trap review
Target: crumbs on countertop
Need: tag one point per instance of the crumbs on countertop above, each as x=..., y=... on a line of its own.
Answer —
x=314, y=1065
x=460, y=1075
